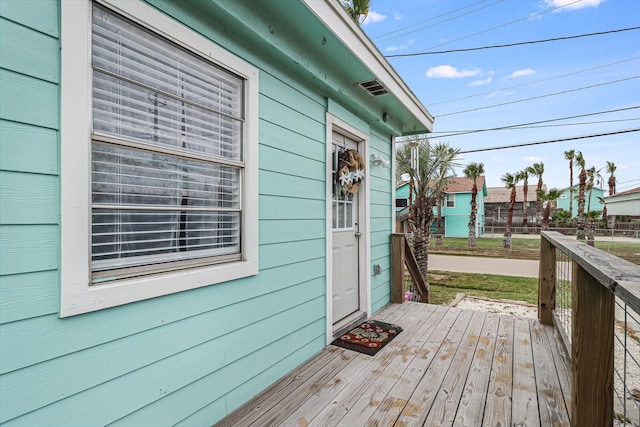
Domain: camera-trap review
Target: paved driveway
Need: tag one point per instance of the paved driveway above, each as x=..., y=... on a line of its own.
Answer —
x=472, y=264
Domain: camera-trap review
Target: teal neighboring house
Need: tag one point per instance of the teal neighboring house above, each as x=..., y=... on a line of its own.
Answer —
x=456, y=207
x=178, y=226
x=595, y=204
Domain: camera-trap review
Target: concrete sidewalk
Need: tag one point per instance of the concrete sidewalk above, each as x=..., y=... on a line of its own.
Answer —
x=483, y=265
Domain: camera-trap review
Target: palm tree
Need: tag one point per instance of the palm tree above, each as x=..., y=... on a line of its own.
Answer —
x=442, y=151
x=537, y=169
x=429, y=179
x=592, y=217
x=570, y=155
x=547, y=198
x=582, y=180
x=473, y=171
x=523, y=176
x=611, y=170
x=357, y=9
x=510, y=181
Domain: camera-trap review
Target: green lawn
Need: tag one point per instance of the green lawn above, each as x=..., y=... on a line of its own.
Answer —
x=445, y=285
x=524, y=248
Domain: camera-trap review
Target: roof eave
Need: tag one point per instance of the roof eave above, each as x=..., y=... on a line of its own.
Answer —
x=334, y=17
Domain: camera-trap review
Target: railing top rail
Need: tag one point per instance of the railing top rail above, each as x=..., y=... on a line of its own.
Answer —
x=620, y=276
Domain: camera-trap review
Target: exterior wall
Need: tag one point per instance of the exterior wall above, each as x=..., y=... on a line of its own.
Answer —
x=628, y=204
x=596, y=205
x=188, y=358
x=457, y=218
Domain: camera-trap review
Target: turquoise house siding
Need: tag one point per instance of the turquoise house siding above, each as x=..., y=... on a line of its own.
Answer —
x=192, y=357
x=456, y=218
x=595, y=204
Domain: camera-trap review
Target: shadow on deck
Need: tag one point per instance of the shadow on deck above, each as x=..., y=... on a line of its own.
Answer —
x=448, y=367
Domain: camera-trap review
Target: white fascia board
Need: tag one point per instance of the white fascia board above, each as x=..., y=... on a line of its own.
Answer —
x=331, y=13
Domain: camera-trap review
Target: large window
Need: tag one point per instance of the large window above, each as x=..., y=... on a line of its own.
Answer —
x=171, y=143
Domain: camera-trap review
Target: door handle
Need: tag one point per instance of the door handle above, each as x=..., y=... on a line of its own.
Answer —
x=358, y=234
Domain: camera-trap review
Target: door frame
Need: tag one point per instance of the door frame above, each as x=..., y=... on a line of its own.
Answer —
x=364, y=221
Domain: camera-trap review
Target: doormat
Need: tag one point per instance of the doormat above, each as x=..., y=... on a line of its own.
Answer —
x=369, y=337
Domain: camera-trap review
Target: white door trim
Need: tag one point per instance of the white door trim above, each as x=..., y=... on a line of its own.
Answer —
x=335, y=124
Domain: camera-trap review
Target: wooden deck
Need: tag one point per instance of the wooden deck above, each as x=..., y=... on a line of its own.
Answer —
x=448, y=367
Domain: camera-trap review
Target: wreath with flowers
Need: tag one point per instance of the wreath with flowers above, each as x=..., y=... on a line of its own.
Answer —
x=351, y=171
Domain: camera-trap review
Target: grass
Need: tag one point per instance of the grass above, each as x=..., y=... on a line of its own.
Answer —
x=445, y=285
x=524, y=248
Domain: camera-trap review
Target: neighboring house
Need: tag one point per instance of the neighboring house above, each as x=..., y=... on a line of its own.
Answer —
x=172, y=236
x=456, y=207
x=625, y=203
x=595, y=205
x=496, y=204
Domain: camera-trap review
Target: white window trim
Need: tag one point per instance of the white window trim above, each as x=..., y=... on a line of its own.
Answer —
x=77, y=296
x=445, y=201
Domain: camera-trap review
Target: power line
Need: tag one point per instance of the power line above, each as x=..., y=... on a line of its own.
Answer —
x=555, y=39
x=538, y=127
x=437, y=23
x=551, y=141
x=523, y=125
x=535, y=81
x=538, y=97
x=526, y=18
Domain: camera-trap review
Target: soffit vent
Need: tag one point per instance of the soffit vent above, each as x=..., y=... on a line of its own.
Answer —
x=374, y=87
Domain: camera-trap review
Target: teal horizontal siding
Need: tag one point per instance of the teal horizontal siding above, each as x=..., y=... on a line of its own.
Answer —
x=37, y=340
x=28, y=248
x=28, y=198
x=298, y=186
x=23, y=296
x=27, y=148
x=232, y=336
x=28, y=52
x=282, y=231
x=41, y=16
x=28, y=100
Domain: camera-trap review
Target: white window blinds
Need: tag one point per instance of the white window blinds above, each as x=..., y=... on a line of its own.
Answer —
x=167, y=156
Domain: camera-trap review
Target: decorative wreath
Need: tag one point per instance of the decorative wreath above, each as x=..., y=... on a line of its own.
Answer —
x=351, y=168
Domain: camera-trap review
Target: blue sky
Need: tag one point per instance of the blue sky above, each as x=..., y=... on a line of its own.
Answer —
x=449, y=83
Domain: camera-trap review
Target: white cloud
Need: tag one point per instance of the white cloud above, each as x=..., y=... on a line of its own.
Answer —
x=481, y=82
x=572, y=4
x=533, y=159
x=373, y=17
x=520, y=73
x=397, y=16
x=399, y=47
x=449, y=72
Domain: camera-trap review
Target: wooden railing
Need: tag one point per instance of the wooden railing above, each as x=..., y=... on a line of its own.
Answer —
x=593, y=281
x=401, y=256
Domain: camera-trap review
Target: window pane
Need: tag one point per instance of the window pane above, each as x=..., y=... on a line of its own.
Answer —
x=122, y=176
x=126, y=238
x=133, y=112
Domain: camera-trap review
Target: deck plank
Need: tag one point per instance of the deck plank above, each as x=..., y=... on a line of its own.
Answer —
x=474, y=397
x=550, y=401
x=497, y=410
x=390, y=408
x=360, y=385
x=562, y=363
x=417, y=408
x=525, y=399
x=446, y=404
x=448, y=367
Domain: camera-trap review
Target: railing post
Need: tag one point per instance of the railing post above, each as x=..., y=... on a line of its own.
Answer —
x=547, y=281
x=592, y=338
x=397, y=268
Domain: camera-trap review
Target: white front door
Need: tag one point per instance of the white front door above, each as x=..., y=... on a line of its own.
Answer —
x=345, y=238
